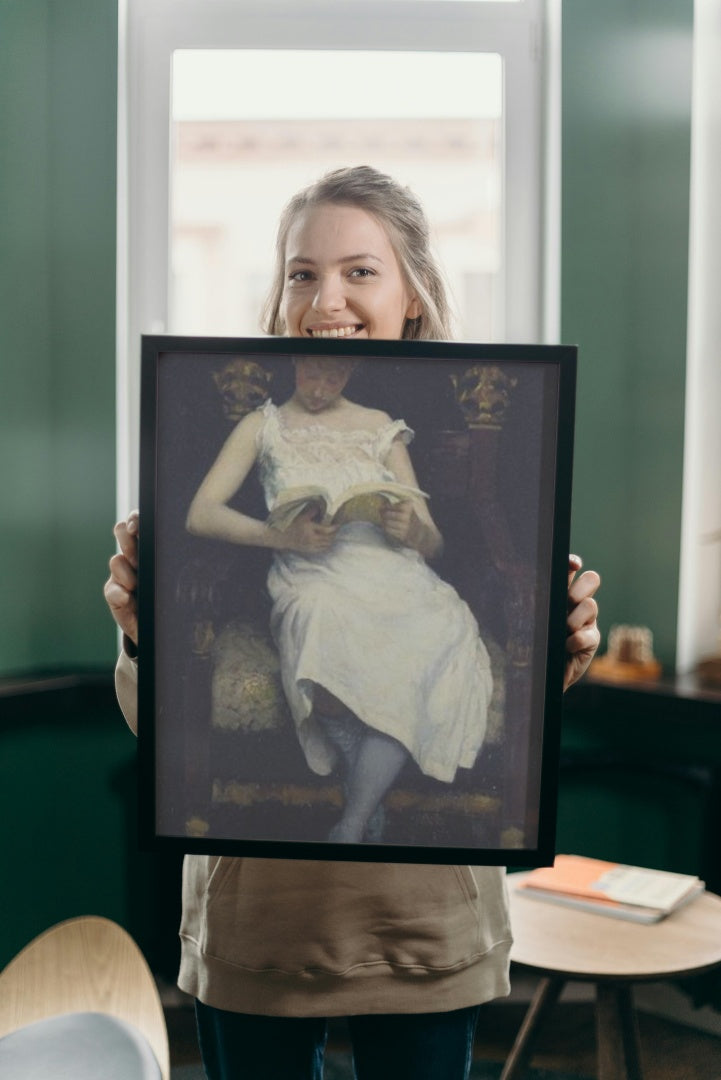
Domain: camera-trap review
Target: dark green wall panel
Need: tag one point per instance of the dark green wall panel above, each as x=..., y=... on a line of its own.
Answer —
x=68, y=791
x=26, y=482
x=626, y=145
x=58, y=77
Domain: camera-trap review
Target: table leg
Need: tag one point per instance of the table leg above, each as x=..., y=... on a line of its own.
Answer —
x=545, y=997
x=617, y=1033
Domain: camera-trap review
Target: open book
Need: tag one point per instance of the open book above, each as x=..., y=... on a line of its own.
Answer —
x=360, y=502
x=624, y=892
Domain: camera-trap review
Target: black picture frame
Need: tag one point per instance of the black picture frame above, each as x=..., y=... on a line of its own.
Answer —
x=221, y=767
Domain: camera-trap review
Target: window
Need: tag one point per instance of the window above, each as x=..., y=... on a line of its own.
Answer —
x=227, y=107
x=236, y=160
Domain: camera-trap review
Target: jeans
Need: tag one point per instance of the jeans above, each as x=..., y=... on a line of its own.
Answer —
x=414, y=1046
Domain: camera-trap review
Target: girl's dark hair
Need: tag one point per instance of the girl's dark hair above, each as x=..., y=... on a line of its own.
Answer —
x=403, y=217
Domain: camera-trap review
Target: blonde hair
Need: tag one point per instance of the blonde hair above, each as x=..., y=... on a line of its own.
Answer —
x=403, y=217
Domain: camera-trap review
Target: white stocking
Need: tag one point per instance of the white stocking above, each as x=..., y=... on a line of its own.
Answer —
x=378, y=760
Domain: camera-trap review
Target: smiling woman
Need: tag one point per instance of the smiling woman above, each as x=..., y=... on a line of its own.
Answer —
x=336, y=293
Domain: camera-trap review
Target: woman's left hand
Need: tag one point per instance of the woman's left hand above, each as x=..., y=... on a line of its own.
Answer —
x=583, y=635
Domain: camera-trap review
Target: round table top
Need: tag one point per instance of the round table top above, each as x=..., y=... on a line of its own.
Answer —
x=559, y=940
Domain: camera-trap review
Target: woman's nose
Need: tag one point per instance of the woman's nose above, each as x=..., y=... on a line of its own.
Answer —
x=329, y=295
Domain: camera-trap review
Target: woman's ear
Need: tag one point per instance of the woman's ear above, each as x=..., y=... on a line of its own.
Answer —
x=415, y=309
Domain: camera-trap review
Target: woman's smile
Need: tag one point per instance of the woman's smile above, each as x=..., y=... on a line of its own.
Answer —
x=334, y=331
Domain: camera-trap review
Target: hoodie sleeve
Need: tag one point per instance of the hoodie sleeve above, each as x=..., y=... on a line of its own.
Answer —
x=126, y=688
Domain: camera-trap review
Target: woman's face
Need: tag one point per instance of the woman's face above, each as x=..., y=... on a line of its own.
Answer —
x=342, y=277
x=319, y=382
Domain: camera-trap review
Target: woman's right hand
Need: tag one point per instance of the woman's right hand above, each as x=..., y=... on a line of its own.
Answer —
x=120, y=589
x=307, y=536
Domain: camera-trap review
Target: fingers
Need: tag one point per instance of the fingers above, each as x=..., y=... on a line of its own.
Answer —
x=582, y=587
x=123, y=573
x=575, y=563
x=123, y=607
x=583, y=636
x=397, y=520
x=314, y=538
x=585, y=640
x=126, y=534
x=121, y=587
x=322, y=538
x=584, y=613
x=401, y=511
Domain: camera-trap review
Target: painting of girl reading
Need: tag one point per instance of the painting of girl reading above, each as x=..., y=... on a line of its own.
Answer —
x=350, y=596
x=381, y=660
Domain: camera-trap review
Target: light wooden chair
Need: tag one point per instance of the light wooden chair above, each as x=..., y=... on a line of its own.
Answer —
x=80, y=975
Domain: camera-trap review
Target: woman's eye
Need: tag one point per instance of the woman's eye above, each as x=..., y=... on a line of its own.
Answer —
x=300, y=276
x=362, y=272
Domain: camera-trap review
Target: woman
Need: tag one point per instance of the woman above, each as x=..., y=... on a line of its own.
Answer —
x=271, y=948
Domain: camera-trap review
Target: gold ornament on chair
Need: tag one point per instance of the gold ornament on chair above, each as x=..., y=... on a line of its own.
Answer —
x=483, y=393
x=244, y=385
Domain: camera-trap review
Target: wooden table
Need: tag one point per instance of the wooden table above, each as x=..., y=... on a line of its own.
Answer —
x=563, y=944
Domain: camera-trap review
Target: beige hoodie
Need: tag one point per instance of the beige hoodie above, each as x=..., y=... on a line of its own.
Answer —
x=285, y=937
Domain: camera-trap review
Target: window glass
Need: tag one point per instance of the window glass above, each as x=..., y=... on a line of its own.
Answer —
x=251, y=127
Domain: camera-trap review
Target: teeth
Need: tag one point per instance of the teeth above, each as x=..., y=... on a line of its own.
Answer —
x=336, y=332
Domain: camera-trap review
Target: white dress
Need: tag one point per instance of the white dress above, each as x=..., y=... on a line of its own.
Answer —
x=370, y=622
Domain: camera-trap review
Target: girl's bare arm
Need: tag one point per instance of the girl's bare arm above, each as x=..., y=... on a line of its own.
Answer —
x=210, y=515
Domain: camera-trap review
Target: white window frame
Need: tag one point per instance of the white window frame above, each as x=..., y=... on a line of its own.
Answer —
x=699, y=597
x=526, y=34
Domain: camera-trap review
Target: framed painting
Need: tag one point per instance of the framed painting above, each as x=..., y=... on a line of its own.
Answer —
x=352, y=597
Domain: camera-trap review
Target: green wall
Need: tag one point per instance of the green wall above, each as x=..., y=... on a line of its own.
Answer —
x=626, y=145
x=58, y=71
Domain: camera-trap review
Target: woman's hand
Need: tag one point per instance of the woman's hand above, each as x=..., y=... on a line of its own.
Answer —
x=120, y=589
x=583, y=636
x=403, y=525
x=305, y=535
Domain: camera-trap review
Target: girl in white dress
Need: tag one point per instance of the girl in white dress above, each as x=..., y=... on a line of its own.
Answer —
x=380, y=658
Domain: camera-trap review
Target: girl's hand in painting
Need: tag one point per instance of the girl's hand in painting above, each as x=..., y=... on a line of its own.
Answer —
x=120, y=589
x=583, y=635
x=306, y=535
x=402, y=524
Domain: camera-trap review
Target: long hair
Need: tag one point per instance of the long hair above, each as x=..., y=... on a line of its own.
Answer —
x=402, y=216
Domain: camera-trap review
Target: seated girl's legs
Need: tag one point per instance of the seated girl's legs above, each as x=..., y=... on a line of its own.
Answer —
x=237, y=1046
x=414, y=1046
x=378, y=761
x=372, y=762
